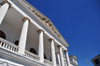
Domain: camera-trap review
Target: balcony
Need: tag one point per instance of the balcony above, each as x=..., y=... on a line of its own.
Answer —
x=6, y=45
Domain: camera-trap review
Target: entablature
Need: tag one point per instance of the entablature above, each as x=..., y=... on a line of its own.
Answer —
x=45, y=21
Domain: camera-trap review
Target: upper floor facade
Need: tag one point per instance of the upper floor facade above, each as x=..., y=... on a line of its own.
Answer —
x=28, y=37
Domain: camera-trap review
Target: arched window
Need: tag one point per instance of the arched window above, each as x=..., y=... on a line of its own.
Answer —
x=2, y=35
x=16, y=42
x=45, y=56
x=32, y=50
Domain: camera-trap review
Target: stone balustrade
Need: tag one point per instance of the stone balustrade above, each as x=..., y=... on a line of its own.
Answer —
x=73, y=63
x=48, y=63
x=31, y=55
x=8, y=45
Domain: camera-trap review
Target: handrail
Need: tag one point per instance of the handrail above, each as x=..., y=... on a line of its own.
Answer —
x=8, y=45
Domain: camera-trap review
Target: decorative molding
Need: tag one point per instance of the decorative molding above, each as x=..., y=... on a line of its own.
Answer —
x=40, y=31
x=26, y=18
x=5, y=1
x=46, y=22
x=66, y=51
x=3, y=63
x=33, y=11
x=51, y=39
x=43, y=19
x=59, y=46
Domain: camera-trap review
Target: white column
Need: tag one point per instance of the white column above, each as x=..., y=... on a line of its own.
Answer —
x=61, y=55
x=58, y=59
x=67, y=57
x=3, y=9
x=23, y=36
x=41, y=46
x=53, y=52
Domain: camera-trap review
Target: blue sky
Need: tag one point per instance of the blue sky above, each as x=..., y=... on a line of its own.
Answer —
x=78, y=21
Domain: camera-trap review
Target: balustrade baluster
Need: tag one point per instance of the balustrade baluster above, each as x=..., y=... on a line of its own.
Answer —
x=0, y=43
x=13, y=49
x=3, y=45
x=6, y=45
x=9, y=47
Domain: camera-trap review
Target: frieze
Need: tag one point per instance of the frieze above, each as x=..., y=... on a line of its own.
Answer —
x=3, y=63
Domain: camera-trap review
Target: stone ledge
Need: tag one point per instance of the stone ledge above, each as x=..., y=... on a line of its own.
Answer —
x=18, y=58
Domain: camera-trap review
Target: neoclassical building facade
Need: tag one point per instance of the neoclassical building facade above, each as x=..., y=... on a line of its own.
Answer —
x=29, y=38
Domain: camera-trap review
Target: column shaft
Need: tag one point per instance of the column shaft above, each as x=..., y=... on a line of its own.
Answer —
x=67, y=58
x=53, y=52
x=41, y=47
x=23, y=37
x=58, y=59
x=3, y=11
x=61, y=56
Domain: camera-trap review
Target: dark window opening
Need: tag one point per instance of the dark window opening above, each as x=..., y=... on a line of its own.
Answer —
x=45, y=56
x=2, y=35
x=96, y=61
x=32, y=50
x=16, y=42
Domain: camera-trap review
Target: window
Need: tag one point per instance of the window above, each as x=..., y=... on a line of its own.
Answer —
x=32, y=50
x=45, y=56
x=2, y=35
x=96, y=61
x=16, y=42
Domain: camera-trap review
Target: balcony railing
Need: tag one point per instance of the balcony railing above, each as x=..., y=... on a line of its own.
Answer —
x=47, y=62
x=73, y=63
x=13, y=48
x=8, y=45
x=31, y=55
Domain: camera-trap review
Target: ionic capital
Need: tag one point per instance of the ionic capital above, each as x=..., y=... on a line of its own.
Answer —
x=40, y=31
x=59, y=46
x=26, y=18
x=57, y=53
x=5, y=1
x=66, y=51
x=51, y=39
